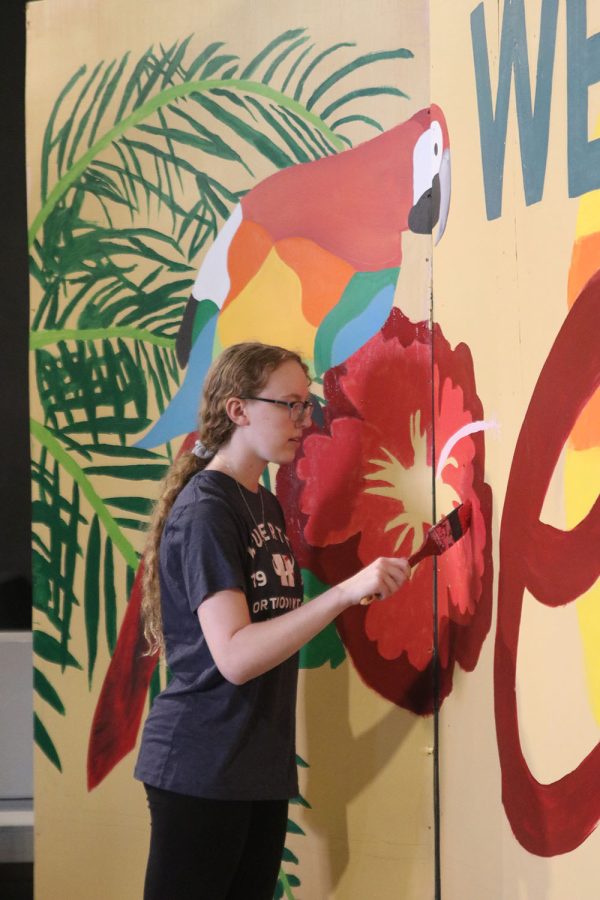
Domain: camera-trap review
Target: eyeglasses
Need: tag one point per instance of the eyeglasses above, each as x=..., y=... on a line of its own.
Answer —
x=300, y=410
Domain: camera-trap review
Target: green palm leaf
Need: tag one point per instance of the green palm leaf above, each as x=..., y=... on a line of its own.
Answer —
x=368, y=60
x=314, y=63
x=42, y=686
x=45, y=742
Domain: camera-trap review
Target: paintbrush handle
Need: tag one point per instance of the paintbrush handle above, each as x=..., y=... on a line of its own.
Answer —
x=438, y=539
x=427, y=548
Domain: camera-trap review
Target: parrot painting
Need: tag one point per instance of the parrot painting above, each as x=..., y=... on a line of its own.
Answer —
x=309, y=259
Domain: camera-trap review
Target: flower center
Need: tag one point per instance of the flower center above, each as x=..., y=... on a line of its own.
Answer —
x=410, y=488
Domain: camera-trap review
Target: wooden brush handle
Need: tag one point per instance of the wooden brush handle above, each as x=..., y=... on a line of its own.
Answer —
x=368, y=599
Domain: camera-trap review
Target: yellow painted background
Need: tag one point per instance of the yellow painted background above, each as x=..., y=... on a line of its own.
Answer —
x=501, y=287
x=370, y=829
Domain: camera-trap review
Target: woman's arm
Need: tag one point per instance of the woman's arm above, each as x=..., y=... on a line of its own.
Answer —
x=243, y=649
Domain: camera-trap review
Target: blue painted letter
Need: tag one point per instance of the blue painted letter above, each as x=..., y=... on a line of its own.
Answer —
x=583, y=67
x=533, y=127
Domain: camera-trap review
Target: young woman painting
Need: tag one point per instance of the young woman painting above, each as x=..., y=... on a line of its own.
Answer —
x=223, y=598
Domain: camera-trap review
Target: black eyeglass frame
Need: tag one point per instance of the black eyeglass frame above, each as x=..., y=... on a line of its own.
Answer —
x=302, y=406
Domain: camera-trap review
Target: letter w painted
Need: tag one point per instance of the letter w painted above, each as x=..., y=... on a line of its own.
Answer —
x=533, y=125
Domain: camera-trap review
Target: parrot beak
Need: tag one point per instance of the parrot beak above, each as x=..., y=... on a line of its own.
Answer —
x=445, y=188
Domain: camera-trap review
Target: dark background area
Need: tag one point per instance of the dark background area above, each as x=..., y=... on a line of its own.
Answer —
x=16, y=878
x=15, y=516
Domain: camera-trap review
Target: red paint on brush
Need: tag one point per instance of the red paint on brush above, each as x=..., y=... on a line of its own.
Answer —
x=445, y=534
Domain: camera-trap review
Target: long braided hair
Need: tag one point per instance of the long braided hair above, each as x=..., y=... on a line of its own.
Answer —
x=240, y=371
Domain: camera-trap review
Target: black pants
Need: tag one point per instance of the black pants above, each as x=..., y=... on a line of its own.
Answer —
x=213, y=849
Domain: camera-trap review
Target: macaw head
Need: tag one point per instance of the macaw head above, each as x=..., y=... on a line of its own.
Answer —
x=431, y=174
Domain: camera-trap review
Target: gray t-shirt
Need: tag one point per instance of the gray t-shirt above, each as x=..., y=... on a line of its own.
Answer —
x=205, y=736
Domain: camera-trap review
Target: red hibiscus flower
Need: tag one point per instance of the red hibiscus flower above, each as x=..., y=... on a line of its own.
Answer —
x=362, y=488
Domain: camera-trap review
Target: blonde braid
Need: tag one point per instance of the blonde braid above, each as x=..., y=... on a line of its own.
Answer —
x=184, y=467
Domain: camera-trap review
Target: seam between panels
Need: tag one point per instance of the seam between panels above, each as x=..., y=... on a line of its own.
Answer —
x=435, y=657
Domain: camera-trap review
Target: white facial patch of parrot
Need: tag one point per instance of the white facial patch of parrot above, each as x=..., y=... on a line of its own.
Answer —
x=427, y=160
x=212, y=281
x=445, y=190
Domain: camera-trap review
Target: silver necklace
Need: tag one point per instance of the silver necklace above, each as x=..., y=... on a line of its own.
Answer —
x=246, y=504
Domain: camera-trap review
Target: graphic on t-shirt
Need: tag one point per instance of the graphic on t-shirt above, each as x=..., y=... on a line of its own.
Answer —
x=265, y=532
x=284, y=567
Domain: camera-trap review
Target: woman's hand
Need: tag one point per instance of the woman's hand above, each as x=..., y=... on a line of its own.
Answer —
x=379, y=580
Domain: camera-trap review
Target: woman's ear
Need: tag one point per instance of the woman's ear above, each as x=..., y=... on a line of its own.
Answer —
x=236, y=410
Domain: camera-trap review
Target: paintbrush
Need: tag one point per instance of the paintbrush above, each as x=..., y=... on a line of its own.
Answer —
x=439, y=538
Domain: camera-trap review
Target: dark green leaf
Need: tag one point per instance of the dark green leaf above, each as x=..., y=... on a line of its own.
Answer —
x=287, y=856
x=132, y=473
x=201, y=59
x=43, y=687
x=229, y=73
x=66, y=131
x=96, y=99
x=175, y=62
x=108, y=95
x=293, y=828
x=154, y=68
x=314, y=63
x=125, y=452
x=48, y=648
x=215, y=145
x=257, y=139
x=361, y=92
x=135, y=524
x=48, y=133
x=299, y=153
x=282, y=56
x=41, y=578
x=133, y=83
x=260, y=57
x=44, y=742
x=216, y=63
x=91, y=595
x=111, y=425
x=139, y=505
x=326, y=646
x=290, y=74
x=110, y=597
x=351, y=67
x=366, y=119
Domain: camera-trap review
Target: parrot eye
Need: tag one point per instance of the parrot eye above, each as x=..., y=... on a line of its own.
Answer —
x=435, y=149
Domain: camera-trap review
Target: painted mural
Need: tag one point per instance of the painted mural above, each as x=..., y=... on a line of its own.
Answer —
x=309, y=258
x=557, y=566
x=111, y=331
x=191, y=194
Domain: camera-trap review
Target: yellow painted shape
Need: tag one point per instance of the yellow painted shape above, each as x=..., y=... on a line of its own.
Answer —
x=585, y=262
x=269, y=309
x=588, y=215
x=582, y=486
